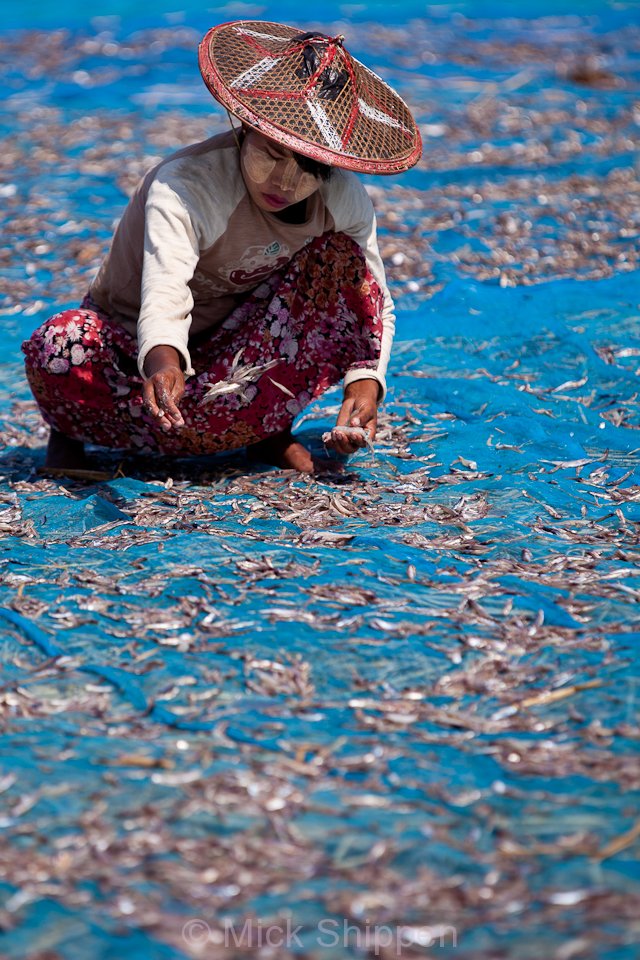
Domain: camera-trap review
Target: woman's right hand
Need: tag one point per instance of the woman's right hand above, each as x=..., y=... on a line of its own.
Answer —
x=164, y=387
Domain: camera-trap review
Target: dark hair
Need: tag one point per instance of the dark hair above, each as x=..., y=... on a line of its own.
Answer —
x=320, y=170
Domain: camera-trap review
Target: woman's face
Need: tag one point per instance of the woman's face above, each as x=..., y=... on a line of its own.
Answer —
x=271, y=174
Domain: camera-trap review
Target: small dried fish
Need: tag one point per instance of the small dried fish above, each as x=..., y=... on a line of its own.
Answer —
x=618, y=844
x=238, y=378
x=335, y=434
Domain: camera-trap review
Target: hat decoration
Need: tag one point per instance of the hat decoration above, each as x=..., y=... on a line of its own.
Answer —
x=307, y=92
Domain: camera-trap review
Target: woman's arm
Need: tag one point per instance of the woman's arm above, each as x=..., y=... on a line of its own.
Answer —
x=171, y=252
x=364, y=388
x=359, y=409
x=353, y=214
x=164, y=387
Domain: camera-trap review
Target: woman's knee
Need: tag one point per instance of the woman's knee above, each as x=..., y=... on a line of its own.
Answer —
x=64, y=340
x=343, y=243
x=336, y=250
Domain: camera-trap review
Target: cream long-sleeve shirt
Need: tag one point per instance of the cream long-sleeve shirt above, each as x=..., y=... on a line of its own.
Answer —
x=191, y=245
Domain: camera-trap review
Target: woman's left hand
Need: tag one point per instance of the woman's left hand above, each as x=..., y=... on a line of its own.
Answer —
x=359, y=409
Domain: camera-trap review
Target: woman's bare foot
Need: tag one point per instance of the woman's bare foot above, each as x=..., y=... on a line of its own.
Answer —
x=283, y=451
x=63, y=453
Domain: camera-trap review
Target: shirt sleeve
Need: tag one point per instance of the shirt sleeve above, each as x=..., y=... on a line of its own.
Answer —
x=353, y=214
x=172, y=243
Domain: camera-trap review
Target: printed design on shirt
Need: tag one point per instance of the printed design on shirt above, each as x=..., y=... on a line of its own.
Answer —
x=257, y=263
x=204, y=284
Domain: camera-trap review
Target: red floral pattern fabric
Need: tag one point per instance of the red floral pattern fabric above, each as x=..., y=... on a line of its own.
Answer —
x=296, y=335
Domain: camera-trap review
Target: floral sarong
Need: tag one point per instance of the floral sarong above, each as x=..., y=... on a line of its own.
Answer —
x=292, y=338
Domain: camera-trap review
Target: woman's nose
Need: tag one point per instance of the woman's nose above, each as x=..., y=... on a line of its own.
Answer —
x=286, y=174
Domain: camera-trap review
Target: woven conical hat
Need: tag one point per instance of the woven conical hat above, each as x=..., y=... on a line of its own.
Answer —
x=308, y=93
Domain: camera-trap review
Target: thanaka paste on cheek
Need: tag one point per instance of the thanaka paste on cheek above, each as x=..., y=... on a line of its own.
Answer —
x=257, y=163
x=289, y=177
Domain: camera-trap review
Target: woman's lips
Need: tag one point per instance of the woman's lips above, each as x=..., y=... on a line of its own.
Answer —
x=274, y=200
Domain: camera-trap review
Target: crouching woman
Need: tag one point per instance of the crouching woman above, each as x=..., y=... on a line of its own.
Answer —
x=244, y=277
